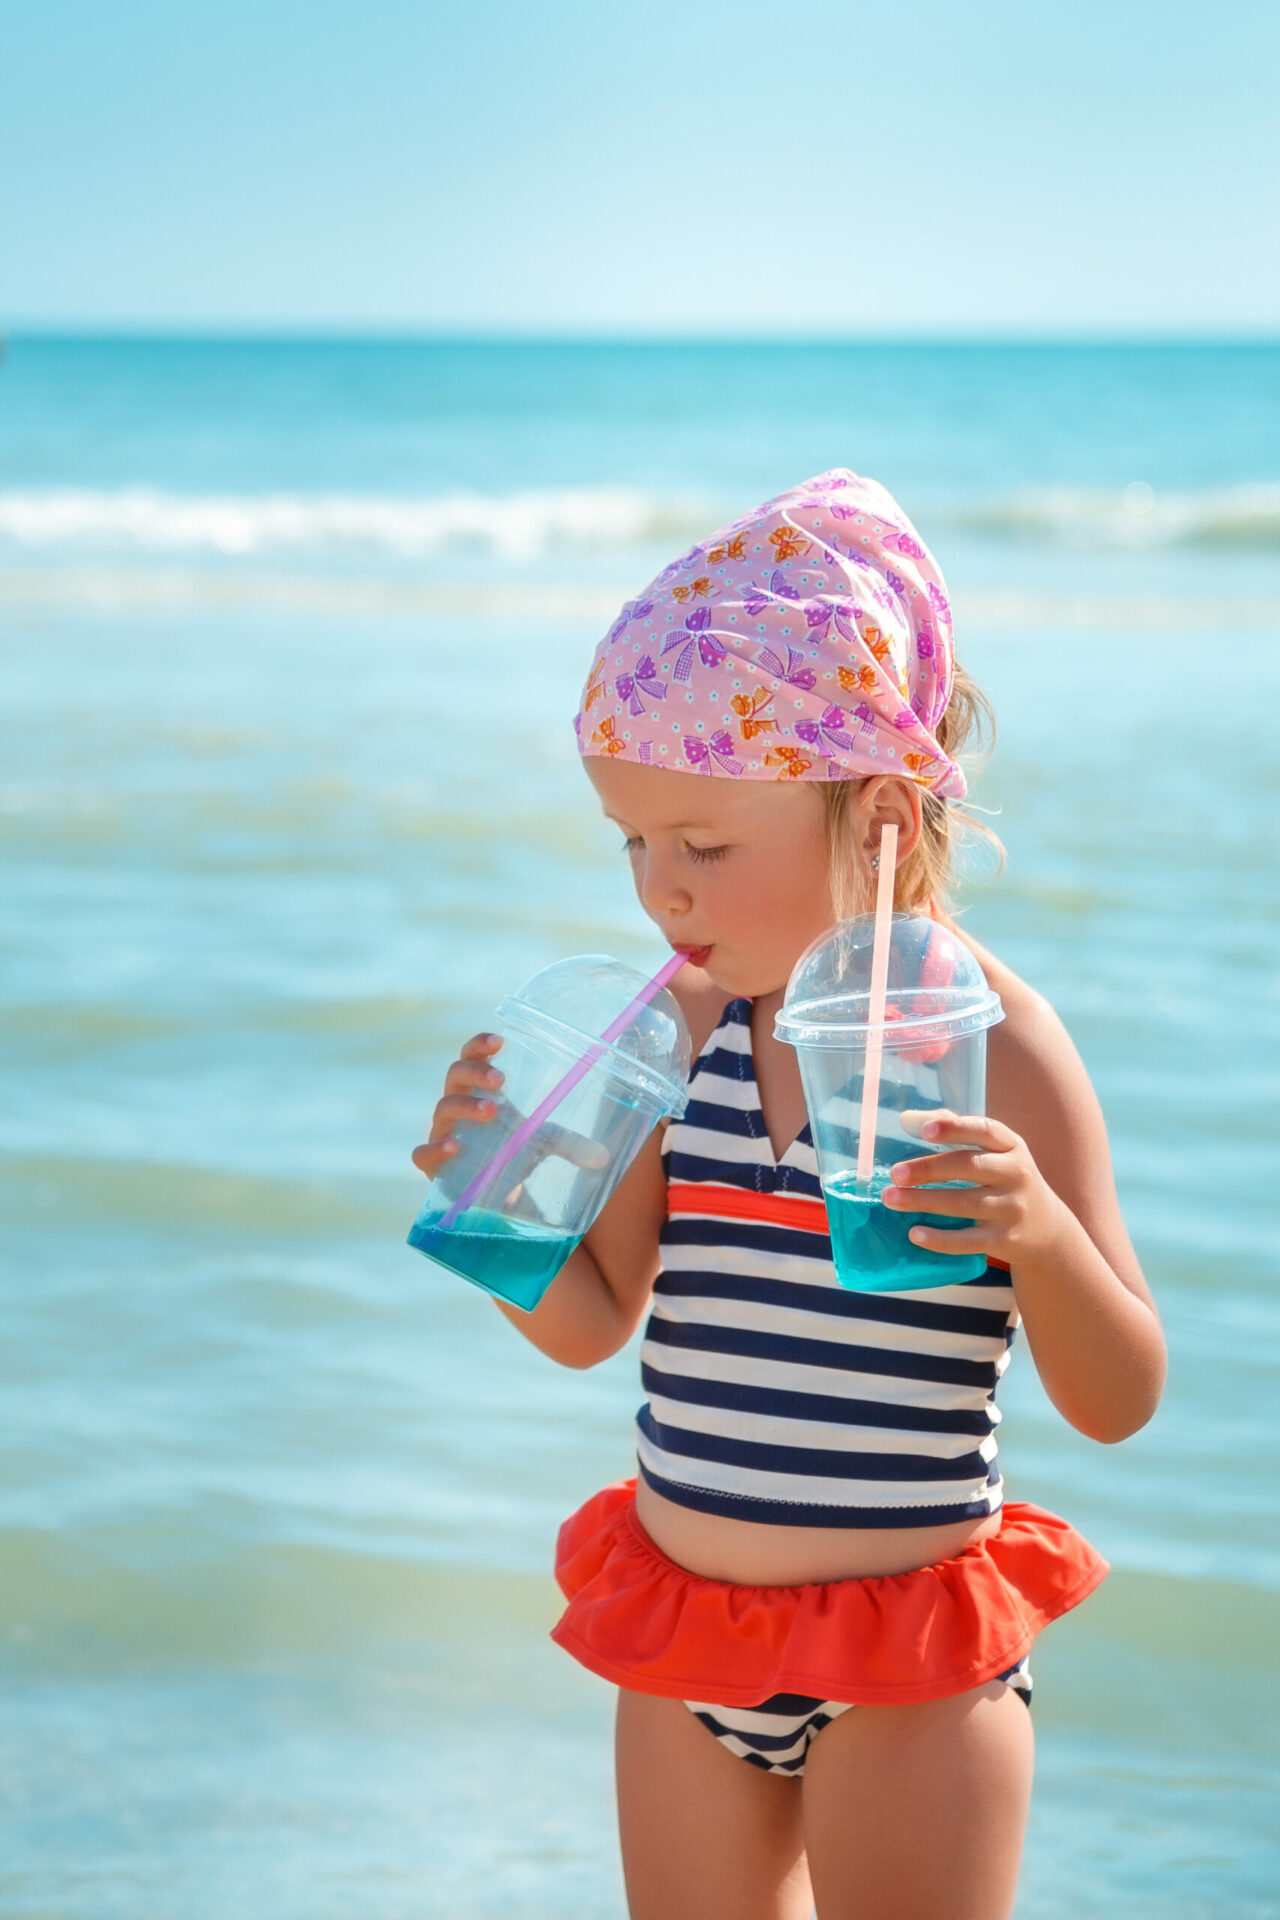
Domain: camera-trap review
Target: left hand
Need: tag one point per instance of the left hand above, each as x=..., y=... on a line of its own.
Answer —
x=1016, y=1213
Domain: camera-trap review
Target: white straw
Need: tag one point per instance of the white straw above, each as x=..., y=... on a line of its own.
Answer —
x=875, y=1006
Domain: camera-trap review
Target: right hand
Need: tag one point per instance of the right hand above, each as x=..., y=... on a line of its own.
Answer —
x=472, y=1097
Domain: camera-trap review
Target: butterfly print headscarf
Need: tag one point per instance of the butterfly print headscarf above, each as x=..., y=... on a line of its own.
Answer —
x=809, y=640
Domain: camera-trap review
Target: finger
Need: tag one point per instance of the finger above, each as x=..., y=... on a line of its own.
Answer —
x=458, y=1107
x=987, y=1169
x=959, y=1129
x=575, y=1148
x=430, y=1157
x=964, y=1202
x=558, y=1143
x=957, y=1240
x=480, y=1046
x=465, y=1074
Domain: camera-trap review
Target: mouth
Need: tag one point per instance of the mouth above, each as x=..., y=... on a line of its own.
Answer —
x=697, y=955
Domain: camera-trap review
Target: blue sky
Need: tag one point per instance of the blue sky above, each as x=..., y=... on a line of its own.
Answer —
x=1099, y=167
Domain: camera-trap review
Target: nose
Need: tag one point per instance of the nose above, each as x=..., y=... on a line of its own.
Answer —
x=661, y=891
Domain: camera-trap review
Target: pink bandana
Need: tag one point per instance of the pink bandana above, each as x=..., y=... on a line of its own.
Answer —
x=809, y=640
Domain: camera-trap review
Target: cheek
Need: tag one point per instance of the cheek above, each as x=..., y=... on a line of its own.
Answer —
x=784, y=899
x=802, y=898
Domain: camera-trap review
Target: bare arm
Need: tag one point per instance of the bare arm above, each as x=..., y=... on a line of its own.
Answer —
x=597, y=1300
x=1087, y=1310
x=1048, y=1207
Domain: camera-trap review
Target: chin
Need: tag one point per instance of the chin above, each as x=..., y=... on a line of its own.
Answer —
x=730, y=981
x=718, y=975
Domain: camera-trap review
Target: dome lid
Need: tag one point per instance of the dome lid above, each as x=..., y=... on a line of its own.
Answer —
x=936, y=989
x=568, y=1006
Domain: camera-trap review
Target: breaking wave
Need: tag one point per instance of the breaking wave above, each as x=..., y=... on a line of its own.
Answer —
x=144, y=520
x=1134, y=516
x=151, y=524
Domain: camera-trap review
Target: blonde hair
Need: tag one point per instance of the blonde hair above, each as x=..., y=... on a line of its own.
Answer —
x=968, y=726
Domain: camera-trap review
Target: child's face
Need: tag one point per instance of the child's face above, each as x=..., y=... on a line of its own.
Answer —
x=739, y=866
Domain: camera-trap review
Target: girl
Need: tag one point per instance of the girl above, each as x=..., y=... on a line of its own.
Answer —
x=814, y=1600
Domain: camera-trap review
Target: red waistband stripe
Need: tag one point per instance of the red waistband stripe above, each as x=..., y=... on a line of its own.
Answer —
x=710, y=1202
x=707, y=1201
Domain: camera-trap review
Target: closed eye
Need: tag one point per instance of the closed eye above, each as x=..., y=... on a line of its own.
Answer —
x=695, y=853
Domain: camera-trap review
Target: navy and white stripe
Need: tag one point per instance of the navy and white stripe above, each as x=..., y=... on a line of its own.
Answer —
x=776, y=1394
x=777, y=1734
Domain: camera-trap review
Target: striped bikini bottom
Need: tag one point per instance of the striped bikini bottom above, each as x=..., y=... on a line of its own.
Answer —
x=776, y=1735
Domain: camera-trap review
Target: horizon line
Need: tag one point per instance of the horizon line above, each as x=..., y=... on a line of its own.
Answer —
x=320, y=333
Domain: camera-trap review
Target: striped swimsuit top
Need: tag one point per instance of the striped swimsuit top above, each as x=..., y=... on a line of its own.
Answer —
x=774, y=1393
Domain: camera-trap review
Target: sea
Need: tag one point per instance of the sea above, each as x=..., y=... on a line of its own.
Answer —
x=291, y=632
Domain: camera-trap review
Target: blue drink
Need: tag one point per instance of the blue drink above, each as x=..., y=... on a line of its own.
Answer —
x=516, y=1259
x=932, y=1008
x=870, y=1247
x=518, y=1193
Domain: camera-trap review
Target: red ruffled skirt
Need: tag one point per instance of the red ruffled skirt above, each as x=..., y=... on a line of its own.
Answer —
x=643, y=1622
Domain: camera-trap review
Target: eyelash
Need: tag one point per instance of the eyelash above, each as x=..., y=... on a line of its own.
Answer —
x=695, y=853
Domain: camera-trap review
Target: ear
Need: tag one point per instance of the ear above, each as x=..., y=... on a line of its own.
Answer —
x=883, y=799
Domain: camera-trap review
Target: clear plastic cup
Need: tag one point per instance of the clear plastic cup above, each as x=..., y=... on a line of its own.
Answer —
x=938, y=1007
x=520, y=1228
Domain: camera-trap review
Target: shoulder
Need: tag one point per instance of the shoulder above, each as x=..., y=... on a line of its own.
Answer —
x=1038, y=1084
x=1035, y=1076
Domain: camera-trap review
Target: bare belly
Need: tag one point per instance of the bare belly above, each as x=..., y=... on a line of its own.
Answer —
x=750, y=1555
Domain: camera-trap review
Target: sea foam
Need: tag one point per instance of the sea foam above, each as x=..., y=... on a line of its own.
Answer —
x=145, y=520
x=524, y=526
x=1133, y=516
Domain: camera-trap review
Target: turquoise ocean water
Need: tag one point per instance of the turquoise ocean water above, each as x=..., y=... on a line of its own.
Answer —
x=288, y=799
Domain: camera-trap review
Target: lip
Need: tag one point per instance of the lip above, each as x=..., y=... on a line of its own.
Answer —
x=697, y=955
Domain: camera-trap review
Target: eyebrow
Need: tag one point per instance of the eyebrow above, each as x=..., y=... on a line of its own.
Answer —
x=676, y=826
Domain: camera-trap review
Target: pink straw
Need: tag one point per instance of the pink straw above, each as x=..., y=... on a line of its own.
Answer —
x=875, y=1005
x=580, y=1068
